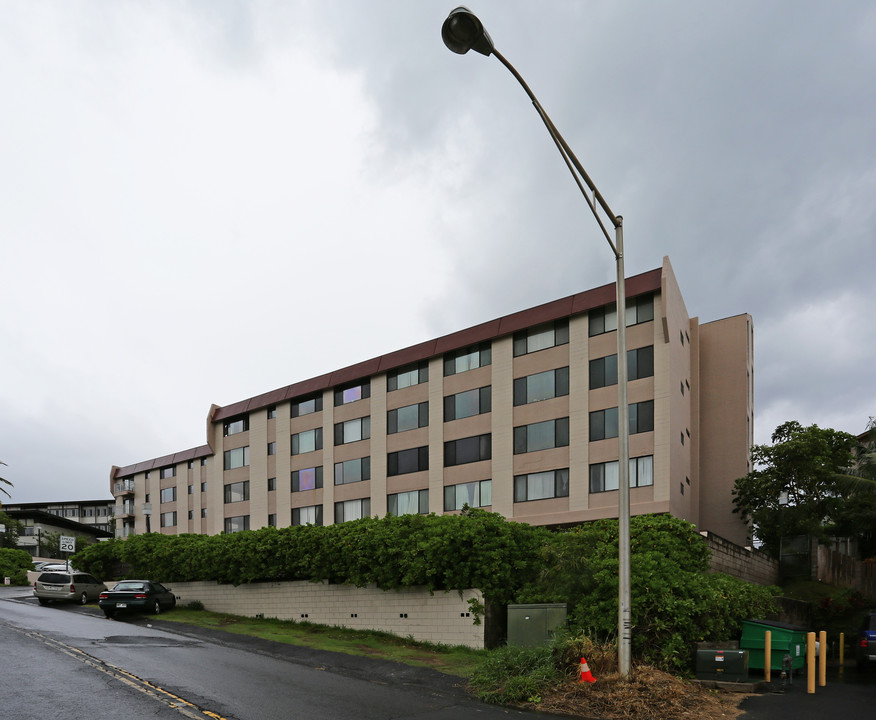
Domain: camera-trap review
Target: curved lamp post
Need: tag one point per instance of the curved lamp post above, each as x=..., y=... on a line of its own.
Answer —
x=463, y=31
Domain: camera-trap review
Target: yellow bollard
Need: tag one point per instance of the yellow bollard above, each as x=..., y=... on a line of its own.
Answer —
x=767, y=654
x=822, y=658
x=810, y=662
x=842, y=653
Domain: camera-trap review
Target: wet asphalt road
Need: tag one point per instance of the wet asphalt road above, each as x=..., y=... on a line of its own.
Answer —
x=70, y=662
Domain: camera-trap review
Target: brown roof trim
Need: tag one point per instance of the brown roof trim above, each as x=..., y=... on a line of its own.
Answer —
x=566, y=307
x=164, y=461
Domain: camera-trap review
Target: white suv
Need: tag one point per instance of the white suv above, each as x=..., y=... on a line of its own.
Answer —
x=67, y=587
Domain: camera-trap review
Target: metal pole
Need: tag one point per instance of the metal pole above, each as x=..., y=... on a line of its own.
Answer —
x=623, y=465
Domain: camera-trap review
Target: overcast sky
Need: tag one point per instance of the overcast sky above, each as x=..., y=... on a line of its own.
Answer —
x=203, y=201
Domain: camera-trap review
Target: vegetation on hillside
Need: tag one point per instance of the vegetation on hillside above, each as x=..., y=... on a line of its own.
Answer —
x=675, y=600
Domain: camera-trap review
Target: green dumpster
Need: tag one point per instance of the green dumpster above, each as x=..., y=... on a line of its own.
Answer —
x=786, y=640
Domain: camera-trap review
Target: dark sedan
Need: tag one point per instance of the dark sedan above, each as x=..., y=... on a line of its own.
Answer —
x=136, y=596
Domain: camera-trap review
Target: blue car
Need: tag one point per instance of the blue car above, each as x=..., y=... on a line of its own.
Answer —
x=866, y=646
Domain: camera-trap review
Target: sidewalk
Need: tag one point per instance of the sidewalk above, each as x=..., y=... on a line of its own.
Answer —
x=851, y=696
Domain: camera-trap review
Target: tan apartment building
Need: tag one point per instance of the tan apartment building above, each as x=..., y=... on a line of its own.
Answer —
x=517, y=415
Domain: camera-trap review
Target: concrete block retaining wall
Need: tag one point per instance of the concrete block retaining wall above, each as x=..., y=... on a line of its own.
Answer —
x=440, y=618
x=745, y=563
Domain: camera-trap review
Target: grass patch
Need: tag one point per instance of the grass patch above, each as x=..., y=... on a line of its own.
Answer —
x=452, y=660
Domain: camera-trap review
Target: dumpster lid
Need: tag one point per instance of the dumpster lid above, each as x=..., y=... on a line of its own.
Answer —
x=780, y=625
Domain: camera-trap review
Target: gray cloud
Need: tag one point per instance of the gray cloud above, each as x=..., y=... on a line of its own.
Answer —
x=203, y=202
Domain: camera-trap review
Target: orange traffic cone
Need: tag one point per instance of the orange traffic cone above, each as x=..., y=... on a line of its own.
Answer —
x=586, y=675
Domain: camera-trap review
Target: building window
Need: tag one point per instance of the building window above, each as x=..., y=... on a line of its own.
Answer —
x=307, y=441
x=352, y=510
x=203, y=512
x=272, y=448
x=191, y=489
x=409, y=417
x=541, y=337
x=541, y=436
x=604, y=423
x=272, y=412
x=352, y=471
x=272, y=520
x=168, y=495
x=191, y=514
x=272, y=484
x=603, y=476
x=307, y=479
x=407, y=376
x=203, y=487
x=237, y=492
x=237, y=524
x=168, y=519
x=642, y=417
x=473, y=494
x=352, y=393
x=468, y=403
x=237, y=458
x=203, y=462
x=415, y=502
x=467, y=359
x=640, y=364
x=467, y=450
x=167, y=472
x=639, y=310
x=236, y=425
x=352, y=430
x=541, y=386
x=306, y=406
x=407, y=461
x=311, y=515
x=190, y=464
x=541, y=485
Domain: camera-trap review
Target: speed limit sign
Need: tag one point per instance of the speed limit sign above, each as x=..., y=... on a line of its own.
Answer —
x=67, y=543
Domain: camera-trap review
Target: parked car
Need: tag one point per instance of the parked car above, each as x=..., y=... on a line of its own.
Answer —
x=865, y=650
x=67, y=587
x=136, y=595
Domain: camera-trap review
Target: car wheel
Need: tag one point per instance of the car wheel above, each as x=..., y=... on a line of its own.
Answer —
x=109, y=614
x=157, y=608
x=43, y=601
x=83, y=598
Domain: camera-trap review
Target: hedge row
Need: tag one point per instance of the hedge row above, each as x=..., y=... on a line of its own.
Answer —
x=449, y=552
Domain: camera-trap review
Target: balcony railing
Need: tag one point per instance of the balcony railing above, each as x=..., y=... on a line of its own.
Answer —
x=123, y=487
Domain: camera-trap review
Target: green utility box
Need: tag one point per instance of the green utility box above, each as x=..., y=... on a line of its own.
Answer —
x=722, y=665
x=786, y=640
x=531, y=625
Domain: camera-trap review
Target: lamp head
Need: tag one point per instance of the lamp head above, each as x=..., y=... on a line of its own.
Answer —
x=462, y=31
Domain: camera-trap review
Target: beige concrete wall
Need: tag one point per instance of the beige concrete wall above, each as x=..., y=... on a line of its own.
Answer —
x=726, y=420
x=677, y=434
x=442, y=617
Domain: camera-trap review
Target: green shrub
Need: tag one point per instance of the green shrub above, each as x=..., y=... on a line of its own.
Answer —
x=14, y=564
x=675, y=601
x=509, y=675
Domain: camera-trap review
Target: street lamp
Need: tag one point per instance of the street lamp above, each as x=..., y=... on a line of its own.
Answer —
x=463, y=31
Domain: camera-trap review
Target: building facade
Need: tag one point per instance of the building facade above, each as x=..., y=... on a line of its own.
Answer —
x=517, y=415
x=97, y=514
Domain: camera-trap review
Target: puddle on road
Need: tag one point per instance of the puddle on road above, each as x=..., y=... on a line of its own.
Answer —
x=146, y=641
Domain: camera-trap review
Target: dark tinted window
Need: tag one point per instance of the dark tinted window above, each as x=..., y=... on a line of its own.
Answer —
x=54, y=578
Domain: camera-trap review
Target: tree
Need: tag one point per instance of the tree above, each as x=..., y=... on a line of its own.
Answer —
x=9, y=538
x=798, y=484
x=4, y=481
x=857, y=516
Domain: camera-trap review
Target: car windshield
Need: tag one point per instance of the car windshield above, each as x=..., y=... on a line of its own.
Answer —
x=129, y=586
